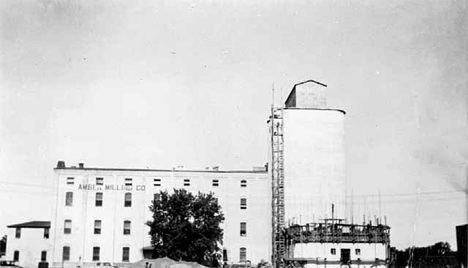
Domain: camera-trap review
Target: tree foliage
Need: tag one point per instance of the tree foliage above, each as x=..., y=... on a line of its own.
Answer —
x=438, y=255
x=186, y=226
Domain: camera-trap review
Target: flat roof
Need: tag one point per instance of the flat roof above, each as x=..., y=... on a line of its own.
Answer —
x=322, y=109
x=31, y=224
x=163, y=170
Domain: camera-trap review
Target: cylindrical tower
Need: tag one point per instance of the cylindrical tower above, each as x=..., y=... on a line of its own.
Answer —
x=314, y=155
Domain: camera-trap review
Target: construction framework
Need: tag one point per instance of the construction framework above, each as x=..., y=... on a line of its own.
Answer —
x=277, y=174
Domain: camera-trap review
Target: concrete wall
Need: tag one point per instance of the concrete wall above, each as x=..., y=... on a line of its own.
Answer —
x=83, y=213
x=30, y=245
x=314, y=161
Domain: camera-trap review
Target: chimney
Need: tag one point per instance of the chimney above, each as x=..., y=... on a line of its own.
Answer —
x=61, y=164
x=81, y=165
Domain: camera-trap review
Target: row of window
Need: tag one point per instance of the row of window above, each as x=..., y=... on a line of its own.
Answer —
x=97, y=227
x=16, y=255
x=99, y=181
x=127, y=227
x=96, y=253
x=99, y=199
x=156, y=182
x=18, y=232
x=126, y=254
x=357, y=251
x=128, y=200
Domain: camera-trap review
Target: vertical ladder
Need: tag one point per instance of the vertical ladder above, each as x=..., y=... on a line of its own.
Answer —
x=277, y=172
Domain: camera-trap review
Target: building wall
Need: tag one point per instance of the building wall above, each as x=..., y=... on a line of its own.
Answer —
x=83, y=212
x=30, y=246
x=314, y=161
x=367, y=255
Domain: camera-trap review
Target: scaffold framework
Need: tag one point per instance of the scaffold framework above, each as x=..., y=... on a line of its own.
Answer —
x=277, y=173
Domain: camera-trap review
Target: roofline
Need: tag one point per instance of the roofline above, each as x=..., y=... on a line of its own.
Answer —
x=24, y=225
x=307, y=81
x=321, y=109
x=163, y=170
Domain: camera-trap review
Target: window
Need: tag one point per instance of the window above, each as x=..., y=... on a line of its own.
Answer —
x=128, y=200
x=215, y=183
x=243, y=183
x=186, y=182
x=243, y=229
x=125, y=254
x=99, y=181
x=99, y=197
x=126, y=230
x=46, y=232
x=97, y=227
x=243, y=203
x=69, y=199
x=44, y=255
x=70, y=180
x=242, y=254
x=358, y=251
x=96, y=253
x=128, y=181
x=333, y=251
x=67, y=227
x=157, y=182
x=66, y=253
x=16, y=255
x=18, y=232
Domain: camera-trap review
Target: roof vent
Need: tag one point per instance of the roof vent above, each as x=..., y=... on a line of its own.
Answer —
x=61, y=164
x=81, y=165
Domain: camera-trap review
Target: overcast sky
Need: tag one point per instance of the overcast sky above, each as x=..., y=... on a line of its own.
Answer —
x=165, y=83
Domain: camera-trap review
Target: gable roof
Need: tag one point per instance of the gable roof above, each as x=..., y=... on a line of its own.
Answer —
x=31, y=224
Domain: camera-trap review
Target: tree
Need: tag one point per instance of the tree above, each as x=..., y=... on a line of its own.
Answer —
x=3, y=242
x=186, y=226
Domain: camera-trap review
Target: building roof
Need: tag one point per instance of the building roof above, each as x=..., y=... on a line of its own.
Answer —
x=31, y=224
x=61, y=166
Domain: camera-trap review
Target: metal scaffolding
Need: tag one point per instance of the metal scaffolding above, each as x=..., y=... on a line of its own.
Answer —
x=277, y=173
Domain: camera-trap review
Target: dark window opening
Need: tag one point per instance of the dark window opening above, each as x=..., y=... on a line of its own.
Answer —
x=126, y=254
x=126, y=230
x=96, y=251
x=46, y=232
x=97, y=226
x=242, y=254
x=99, y=199
x=16, y=255
x=157, y=182
x=99, y=181
x=128, y=200
x=215, y=183
x=243, y=183
x=18, y=233
x=243, y=203
x=67, y=227
x=66, y=253
x=69, y=199
x=44, y=256
x=243, y=229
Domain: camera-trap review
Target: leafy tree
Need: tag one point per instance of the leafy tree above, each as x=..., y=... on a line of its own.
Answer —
x=186, y=226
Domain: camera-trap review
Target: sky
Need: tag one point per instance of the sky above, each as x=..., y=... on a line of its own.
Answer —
x=161, y=84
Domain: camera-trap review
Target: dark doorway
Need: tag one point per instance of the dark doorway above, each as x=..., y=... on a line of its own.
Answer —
x=345, y=255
